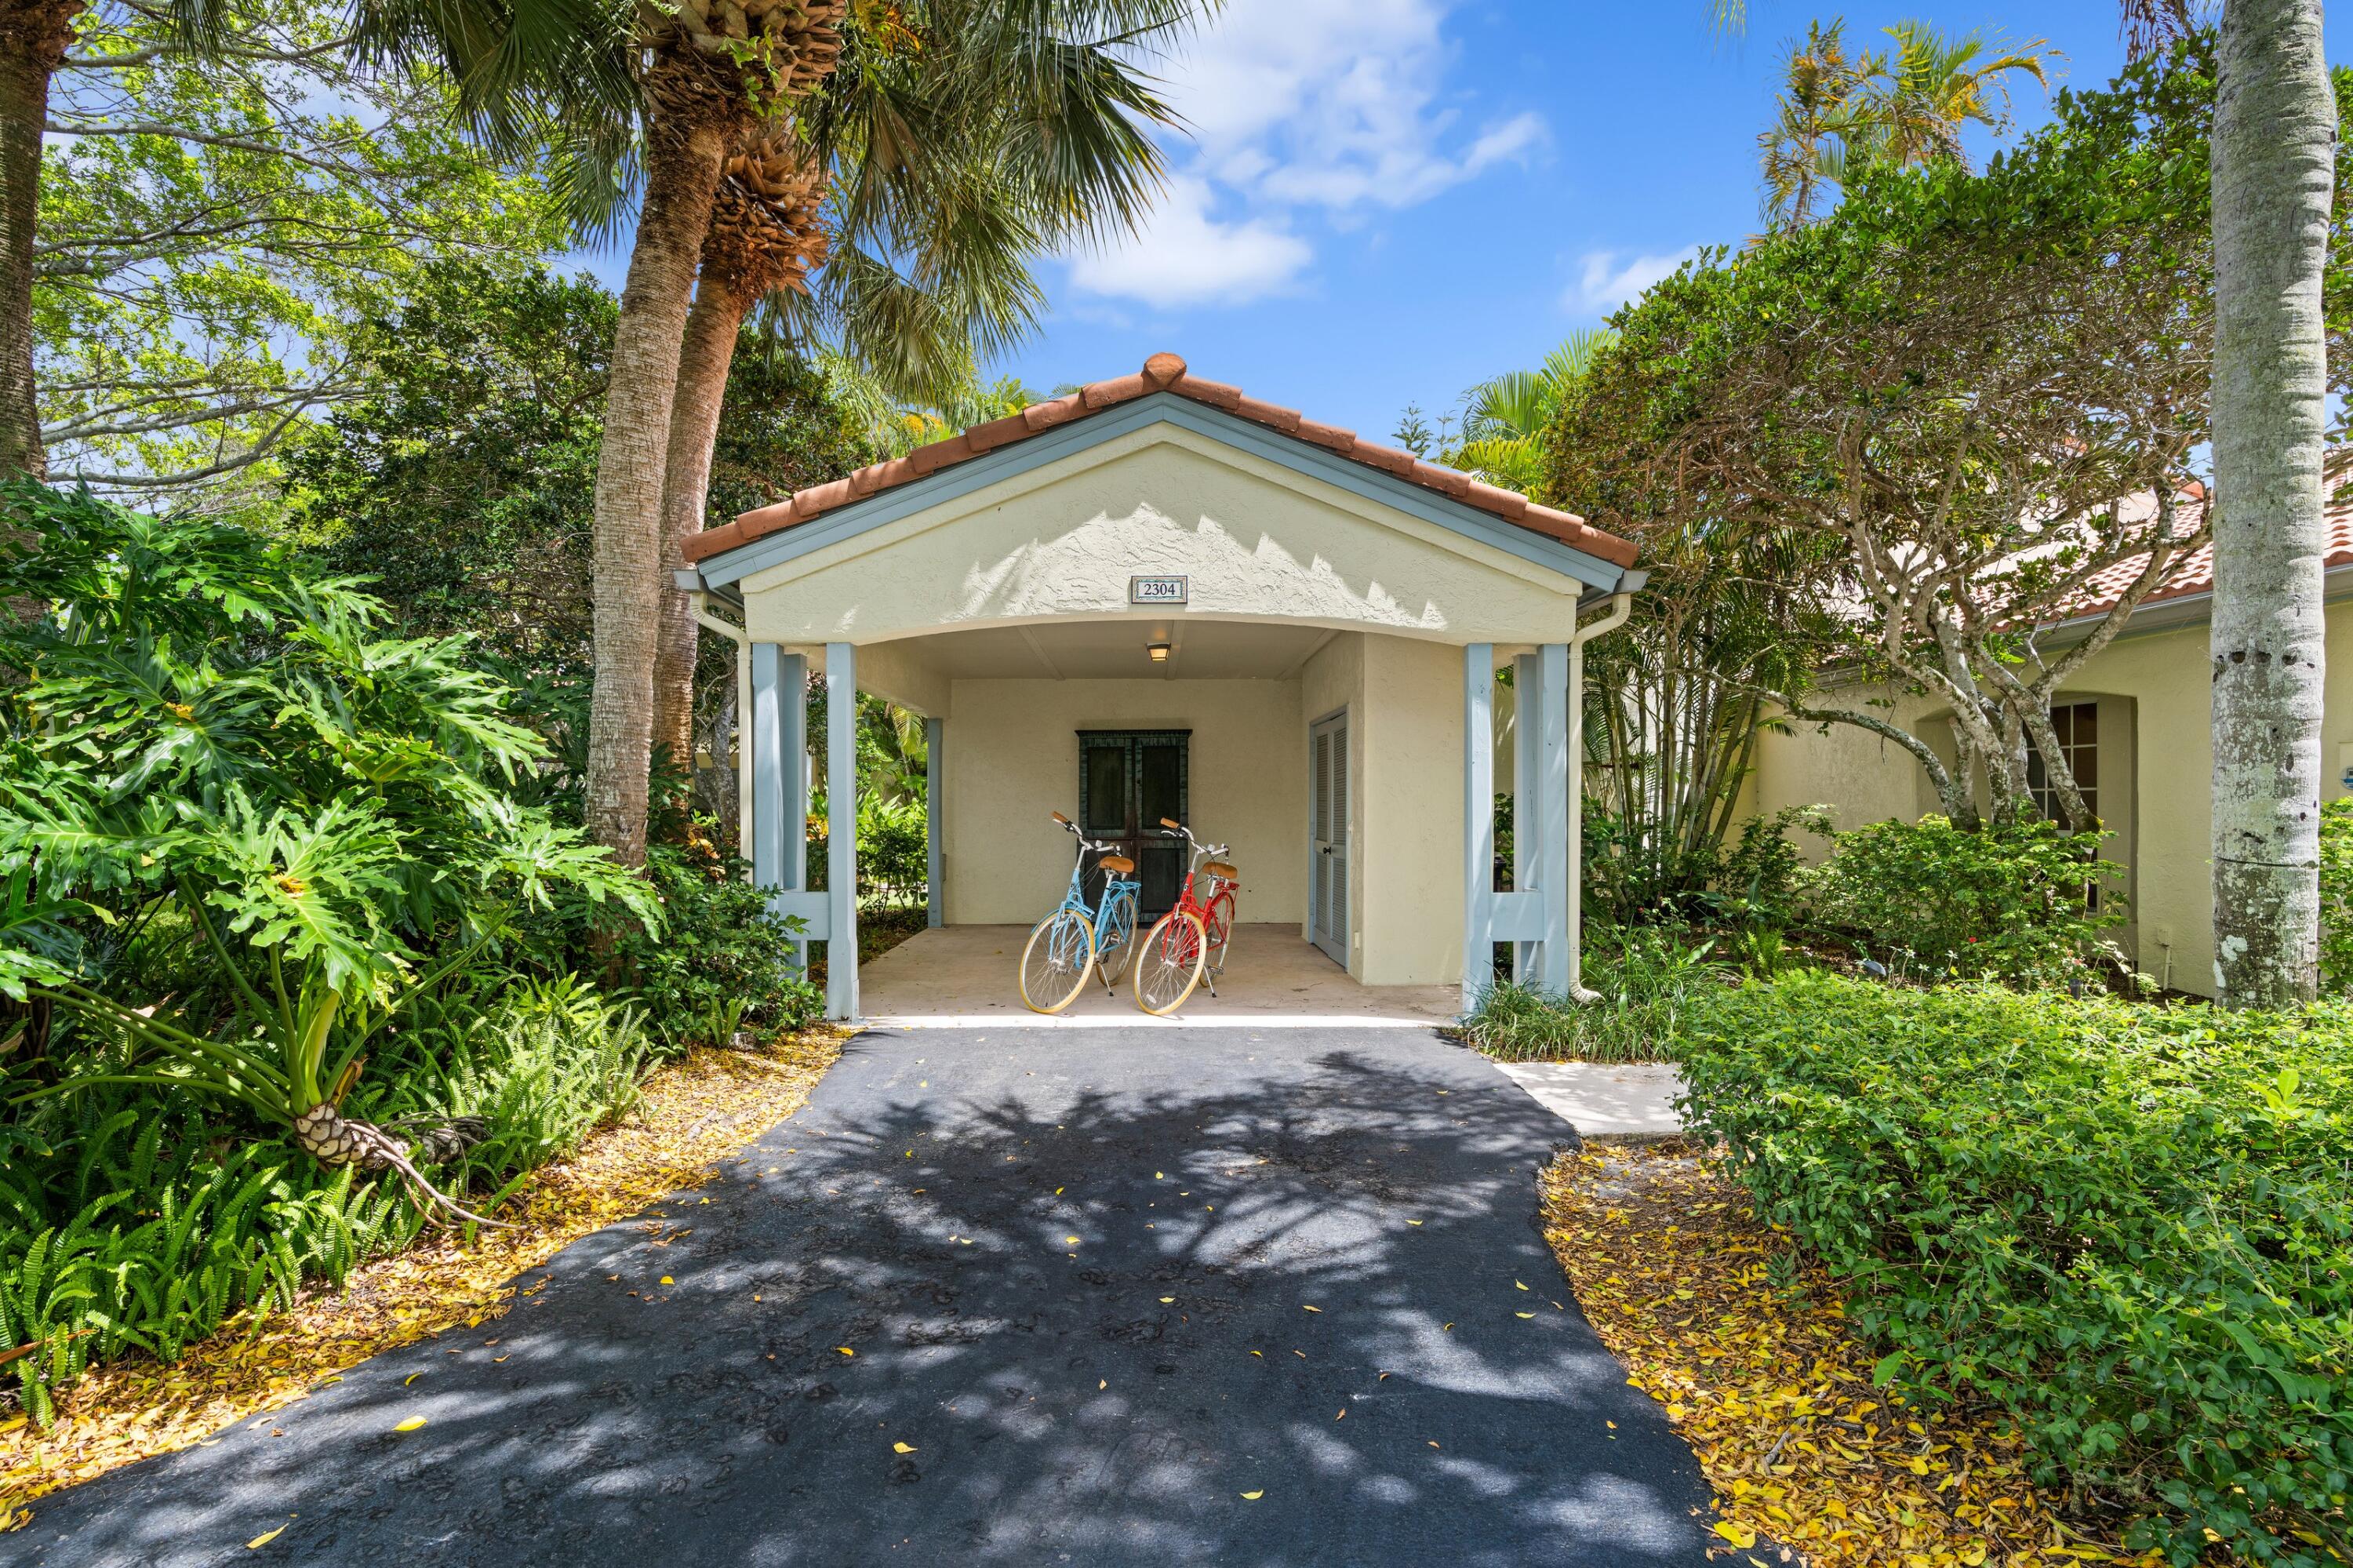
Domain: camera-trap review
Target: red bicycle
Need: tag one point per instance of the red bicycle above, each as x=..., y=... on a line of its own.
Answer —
x=1191, y=940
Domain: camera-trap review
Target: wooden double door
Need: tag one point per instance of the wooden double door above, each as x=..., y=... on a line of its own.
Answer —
x=1128, y=781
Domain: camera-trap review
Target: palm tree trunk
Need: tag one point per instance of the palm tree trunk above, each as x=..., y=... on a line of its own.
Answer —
x=683, y=165
x=2274, y=140
x=33, y=38
x=703, y=363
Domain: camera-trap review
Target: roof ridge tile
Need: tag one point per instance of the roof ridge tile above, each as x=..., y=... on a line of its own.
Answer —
x=1163, y=372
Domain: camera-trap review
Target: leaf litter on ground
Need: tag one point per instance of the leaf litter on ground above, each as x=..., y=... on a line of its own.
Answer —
x=1776, y=1396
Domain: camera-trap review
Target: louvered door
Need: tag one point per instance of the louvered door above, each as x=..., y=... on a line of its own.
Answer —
x=1328, y=884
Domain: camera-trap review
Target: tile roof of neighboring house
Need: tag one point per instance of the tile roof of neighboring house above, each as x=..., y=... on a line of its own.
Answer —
x=1161, y=372
x=2194, y=573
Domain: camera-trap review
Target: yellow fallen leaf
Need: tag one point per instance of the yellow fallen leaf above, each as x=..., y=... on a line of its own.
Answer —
x=411, y=1425
x=903, y=1447
x=1310, y=1308
x=264, y=1538
x=1261, y=1354
x=667, y=1280
x=1071, y=1240
x=1518, y=1283
x=1522, y=1314
x=1413, y=1222
x=1740, y=1535
x=1159, y=1176
x=1102, y=1383
x=1254, y=1496
x=845, y=1350
x=1166, y=1300
x=411, y=1377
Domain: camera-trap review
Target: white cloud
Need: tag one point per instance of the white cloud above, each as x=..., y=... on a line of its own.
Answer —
x=1605, y=282
x=1185, y=256
x=1301, y=109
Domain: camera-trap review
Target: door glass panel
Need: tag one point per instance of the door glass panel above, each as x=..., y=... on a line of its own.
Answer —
x=1106, y=788
x=1163, y=777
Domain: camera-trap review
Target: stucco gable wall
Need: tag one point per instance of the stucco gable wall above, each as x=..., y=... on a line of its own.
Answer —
x=1256, y=539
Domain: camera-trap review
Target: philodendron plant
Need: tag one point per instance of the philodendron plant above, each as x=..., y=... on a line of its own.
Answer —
x=203, y=731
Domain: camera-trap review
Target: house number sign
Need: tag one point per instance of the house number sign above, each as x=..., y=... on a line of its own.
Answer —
x=1157, y=590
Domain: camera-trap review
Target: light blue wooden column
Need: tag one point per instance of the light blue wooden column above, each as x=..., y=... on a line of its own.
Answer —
x=1478, y=820
x=1528, y=702
x=1556, y=778
x=934, y=894
x=841, y=830
x=779, y=808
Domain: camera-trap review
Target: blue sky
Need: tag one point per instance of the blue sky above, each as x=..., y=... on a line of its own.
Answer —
x=1386, y=201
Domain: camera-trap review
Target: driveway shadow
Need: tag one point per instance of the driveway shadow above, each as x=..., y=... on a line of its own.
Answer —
x=1291, y=1330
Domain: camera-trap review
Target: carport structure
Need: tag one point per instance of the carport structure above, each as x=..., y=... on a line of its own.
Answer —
x=1158, y=596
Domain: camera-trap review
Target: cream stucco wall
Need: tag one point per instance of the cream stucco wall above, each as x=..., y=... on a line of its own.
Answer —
x=2154, y=686
x=1011, y=752
x=1257, y=540
x=1012, y=756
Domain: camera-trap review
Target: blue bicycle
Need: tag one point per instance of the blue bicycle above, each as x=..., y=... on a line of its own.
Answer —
x=1075, y=939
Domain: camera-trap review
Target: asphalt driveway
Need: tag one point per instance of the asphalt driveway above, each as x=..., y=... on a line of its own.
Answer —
x=1096, y=1297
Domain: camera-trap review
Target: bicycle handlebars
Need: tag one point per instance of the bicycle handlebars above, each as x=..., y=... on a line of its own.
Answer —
x=1085, y=842
x=1176, y=830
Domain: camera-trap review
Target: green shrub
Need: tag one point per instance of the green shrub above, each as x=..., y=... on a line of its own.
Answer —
x=1933, y=901
x=2337, y=894
x=1646, y=975
x=721, y=960
x=894, y=849
x=2131, y=1226
x=132, y=1220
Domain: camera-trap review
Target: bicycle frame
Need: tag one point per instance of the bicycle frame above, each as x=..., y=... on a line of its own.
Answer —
x=1198, y=907
x=1109, y=935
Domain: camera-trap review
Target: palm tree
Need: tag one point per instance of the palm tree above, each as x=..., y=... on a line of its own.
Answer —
x=34, y=37
x=657, y=95
x=957, y=141
x=1841, y=114
x=2273, y=181
x=1503, y=429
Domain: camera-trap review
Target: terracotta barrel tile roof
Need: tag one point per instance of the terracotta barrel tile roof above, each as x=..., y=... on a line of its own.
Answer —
x=2194, y=573
x=1161, y=372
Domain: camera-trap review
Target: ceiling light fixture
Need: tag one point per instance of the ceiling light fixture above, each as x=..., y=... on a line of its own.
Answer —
x=1159, y=651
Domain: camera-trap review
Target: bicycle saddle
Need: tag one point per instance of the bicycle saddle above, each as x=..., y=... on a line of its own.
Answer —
x=1117, y=863
x=1224, y=869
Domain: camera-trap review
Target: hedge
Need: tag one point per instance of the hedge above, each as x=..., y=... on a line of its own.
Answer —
x=2130, y=1225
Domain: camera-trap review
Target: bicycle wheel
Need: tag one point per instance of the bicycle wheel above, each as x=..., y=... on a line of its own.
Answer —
x=1054, y=965
x=1169, y=967
x=1115, y=941
x=1220, y=929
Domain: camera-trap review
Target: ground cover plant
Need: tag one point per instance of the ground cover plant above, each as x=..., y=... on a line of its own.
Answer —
x=2128, y=1226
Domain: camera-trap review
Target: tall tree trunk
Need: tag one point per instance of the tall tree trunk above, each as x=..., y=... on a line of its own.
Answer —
x=709, y=351
x=682, y=164
x=2273, y=154
x=33, y=38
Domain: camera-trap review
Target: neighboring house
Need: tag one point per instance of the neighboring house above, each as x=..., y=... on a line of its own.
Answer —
x=1159, y=597
x=2135, y=723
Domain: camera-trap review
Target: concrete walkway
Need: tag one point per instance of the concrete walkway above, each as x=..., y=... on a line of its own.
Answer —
x=967, y=976
x=1628, y=1102
x=1017, y=1296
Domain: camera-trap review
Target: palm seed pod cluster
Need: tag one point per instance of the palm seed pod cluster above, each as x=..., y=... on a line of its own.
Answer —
x=328, y=1137
x=785, y=47
x=766, y=229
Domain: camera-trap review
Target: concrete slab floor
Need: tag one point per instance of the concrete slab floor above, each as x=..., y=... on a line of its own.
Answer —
x=964, y=975
x=1608, y=1102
